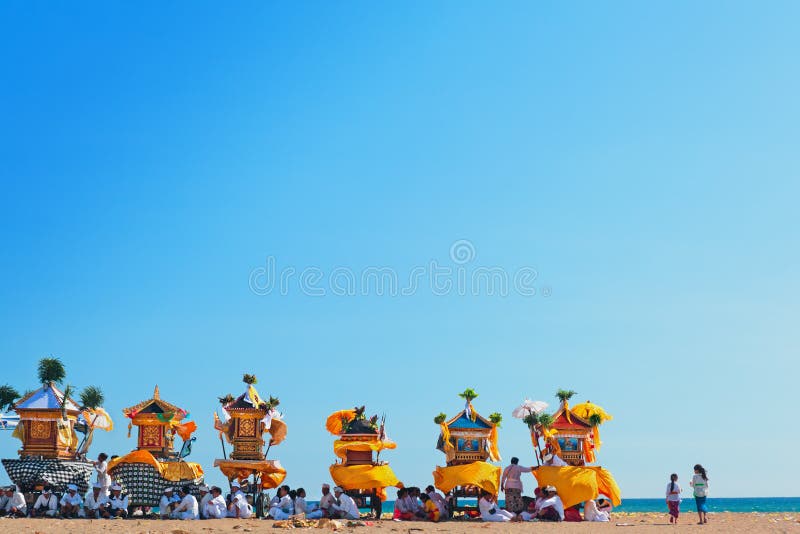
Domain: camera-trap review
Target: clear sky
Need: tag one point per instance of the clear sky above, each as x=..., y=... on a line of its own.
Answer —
x=642, y=157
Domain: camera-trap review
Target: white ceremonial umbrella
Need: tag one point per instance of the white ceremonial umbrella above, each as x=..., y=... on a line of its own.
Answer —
x=528, y=407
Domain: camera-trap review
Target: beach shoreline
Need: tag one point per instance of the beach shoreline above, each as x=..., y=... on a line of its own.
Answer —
x=753, y=522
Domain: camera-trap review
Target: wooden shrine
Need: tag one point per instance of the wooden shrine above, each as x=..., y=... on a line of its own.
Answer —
x=48, y=429
x=573, y=434
x=153, y=418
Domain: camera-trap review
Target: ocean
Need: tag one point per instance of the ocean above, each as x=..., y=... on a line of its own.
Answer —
x=741, y=504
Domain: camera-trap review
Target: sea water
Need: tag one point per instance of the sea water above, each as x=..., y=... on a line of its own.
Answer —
x=722, y=504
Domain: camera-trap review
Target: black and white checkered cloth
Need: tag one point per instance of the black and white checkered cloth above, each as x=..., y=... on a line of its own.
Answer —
x=27, y=474
x=144, y=485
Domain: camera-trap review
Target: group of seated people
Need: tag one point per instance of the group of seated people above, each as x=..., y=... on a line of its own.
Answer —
x=413, y=505
x=71, y=505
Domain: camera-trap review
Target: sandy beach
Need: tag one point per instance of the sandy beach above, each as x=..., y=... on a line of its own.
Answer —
x=642, y=522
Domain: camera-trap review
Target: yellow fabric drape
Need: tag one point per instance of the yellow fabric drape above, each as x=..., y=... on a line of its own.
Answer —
x=481, y=474
x=277, y=431
x=597, y=442
x=567, y=413
x=366, y=477
x=173, y=471
x=588, y=451
x=578, y=484
x=494, y=451
x=19, y=432
x=340, y=447
x=334, y=421
x=270, y=472
x=253, y=395
x=449, y=449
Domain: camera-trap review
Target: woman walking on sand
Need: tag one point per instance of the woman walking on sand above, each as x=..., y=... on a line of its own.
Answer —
x=700, y=484
x=673, y=498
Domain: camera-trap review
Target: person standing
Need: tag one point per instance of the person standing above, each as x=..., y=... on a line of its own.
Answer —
x=101, y=468
x=511, y=484
x=673, y=498
x=700, y=485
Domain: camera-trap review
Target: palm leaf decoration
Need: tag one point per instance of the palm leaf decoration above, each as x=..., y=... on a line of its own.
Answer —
x=249, y=379
x=496, y=418
x=468, y=394
x=8, y=395
x=595, y=419
x=439, y=419
x=68, y=390
x=227, y=399
x=92, y=397
x=565, y=394
x=545, y=420
x=273, y=402
x=531, y=419
x=51, y=370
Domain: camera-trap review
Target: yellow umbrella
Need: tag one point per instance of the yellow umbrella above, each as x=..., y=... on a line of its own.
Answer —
x=587, y=409
x=98, y=418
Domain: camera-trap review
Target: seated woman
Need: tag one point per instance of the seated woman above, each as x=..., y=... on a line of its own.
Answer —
x=591, y=513
x=401, y=511
x=490, y=511
x=432, y=512
x=550, y=508
x=284, y=508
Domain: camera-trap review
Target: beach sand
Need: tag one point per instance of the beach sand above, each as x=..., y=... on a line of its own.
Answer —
x=642, y=522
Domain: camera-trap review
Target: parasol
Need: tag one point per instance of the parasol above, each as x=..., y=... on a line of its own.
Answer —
x=98, y=418
x=529, y=407
x=587, y=409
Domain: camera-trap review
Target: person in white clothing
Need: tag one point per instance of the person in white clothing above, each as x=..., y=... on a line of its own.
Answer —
x=93, y=501
x=346, y=507
x=188, y=507
x=46, y=504
x=239, y=506
x=324, y=507
x=282, y=509
x=116, y=505
x=300, y=506
x=205, y=496
x=71, y=503
x=15, y=503
x=591, y=513
x=550, y=507
x=216, y=508
x=167, y=503
x=101, y=468
x=490, y=511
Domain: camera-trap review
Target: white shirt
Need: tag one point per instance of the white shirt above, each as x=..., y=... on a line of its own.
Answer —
x=17, y=501
x=103, y=477
x=216, y=507
x=119, y=502
x=188, y=504
x=203, y=502
x=163, y=505
x=90, y=503
x=3, y=500
x=675, y=494
x=239, y=502
x=326, y=501
x=347, y=506
x=700, y=486
x=50, y=502
x=74, y=500
x=591, y=513
x=555, y=502
x=485, y=506
x=300, y=506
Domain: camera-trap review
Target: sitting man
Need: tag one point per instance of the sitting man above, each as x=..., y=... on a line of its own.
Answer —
x=15, y=503
x=71, y=503
x=167, y=503
x=346, y=507
x=187, y=508
x=550, y=507
x=46, y=505
x=93, y=502
x=323, y=509
x=205, y=497
x=216, y=508
x=117, y=504
x=239, y=507
x=282, y=509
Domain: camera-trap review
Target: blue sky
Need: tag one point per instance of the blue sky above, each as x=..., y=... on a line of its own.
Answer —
x=641, y=157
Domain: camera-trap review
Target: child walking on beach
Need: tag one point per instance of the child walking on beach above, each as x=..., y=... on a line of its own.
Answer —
x=673, y=498
x=700, y=484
